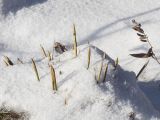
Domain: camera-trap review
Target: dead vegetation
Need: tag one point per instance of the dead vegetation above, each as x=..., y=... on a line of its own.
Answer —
x=8, y=61
x=60, y=48
x=12, y=115
x=143, y=38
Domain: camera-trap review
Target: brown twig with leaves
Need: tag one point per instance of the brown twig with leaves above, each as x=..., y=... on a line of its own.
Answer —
x=143, y=38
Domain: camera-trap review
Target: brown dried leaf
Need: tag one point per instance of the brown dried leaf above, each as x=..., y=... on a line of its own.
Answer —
x=141, y=35
x=140, y=55
x=143, y=40
x=137, y=28
x=136, y=23
x=150, y=52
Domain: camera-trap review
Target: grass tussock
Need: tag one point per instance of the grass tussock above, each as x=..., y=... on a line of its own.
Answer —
x=35, y=69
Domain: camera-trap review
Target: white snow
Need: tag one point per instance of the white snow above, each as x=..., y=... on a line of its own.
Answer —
x=25, y=24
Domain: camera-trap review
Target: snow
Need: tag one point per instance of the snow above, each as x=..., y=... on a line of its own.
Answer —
x=106, y=25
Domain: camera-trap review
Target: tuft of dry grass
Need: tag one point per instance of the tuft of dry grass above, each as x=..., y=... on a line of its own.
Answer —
x=35, y=70
x=75, y=40
x=53, y=77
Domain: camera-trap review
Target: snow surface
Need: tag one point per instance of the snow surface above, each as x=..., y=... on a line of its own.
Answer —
x=25, y=24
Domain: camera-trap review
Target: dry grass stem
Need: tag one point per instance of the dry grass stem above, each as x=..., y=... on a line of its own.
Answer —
x=75, y=40
x=105, y=73
x=43, y=51
x=8, y=61
x=89, y=57
x=35, y=69
x=53, y=76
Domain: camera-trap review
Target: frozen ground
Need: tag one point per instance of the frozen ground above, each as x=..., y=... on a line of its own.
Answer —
x=25, y=24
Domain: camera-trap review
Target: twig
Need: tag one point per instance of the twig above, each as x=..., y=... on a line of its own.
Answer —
x=141, y=70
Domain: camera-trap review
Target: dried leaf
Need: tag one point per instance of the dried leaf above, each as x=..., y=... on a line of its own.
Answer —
x=140, y=55
x=137, y=28
x=59, y=47
x=136, y=23
x=143, y=40
x=150, y=52
x=141, y=35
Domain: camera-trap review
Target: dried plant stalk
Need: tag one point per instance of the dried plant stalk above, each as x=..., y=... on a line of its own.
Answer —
x=105, y=73
x=19, y=61
x=53, y=76
x=49, y=56
x=8, y=61
x=65, y=101
x=116, y=63
x=144, y=66
x=35, y=69
x=43, y=51
x=75, y=40
x=144, y=38
x=100, y=71
x=89, y=57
